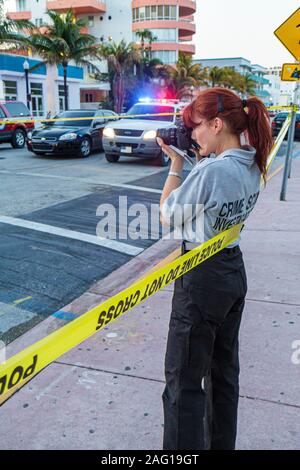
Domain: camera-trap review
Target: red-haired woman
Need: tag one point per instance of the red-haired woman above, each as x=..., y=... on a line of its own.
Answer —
x=201, y=365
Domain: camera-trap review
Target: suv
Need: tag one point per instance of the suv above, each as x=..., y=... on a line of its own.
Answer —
x=14, y=132
x=135, y=136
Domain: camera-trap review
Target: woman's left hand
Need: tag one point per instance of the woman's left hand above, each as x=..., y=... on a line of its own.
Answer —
x=176, y=160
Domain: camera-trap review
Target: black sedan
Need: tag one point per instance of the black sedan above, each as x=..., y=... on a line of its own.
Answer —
x=278, y=121
x=75, y=133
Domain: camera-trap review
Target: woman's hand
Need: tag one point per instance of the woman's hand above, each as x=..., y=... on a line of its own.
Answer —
x=176, y=160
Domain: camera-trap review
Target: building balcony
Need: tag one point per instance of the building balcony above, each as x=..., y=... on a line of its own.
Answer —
x=19, y=15
x=78, y=6
x=173, y=46
x=185, y=28
x=186, y=7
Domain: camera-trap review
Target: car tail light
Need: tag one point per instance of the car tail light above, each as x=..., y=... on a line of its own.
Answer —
x=273, y=123
x=298, y=125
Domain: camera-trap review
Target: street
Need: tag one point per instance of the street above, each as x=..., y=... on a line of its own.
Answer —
x=49, y=251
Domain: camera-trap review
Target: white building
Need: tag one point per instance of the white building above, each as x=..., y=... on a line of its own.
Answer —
x=282, y=92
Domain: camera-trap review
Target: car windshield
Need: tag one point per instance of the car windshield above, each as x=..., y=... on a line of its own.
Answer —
x=138, y=109
x=282, y=116
x=17, y=109
x=72, y=121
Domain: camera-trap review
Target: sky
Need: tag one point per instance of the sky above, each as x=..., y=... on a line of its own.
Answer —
x=242, y=28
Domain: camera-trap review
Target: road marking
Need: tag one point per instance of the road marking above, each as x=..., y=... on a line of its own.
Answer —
x=22, y=300
x=84, y=180
x=93, y=239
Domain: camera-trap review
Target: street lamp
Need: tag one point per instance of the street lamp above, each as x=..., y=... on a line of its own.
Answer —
x=26, y=70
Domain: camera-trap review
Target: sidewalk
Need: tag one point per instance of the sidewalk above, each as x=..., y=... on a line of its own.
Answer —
x=106, y=393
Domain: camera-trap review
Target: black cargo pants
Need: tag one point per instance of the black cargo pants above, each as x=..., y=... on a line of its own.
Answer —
x=200, y=399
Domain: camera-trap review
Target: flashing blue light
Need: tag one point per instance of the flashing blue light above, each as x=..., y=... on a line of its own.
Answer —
x=145, y=100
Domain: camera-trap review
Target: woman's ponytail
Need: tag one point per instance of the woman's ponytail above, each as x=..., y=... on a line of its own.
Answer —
x=259, y=132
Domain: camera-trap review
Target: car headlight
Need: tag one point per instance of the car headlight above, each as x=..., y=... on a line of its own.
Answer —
x=69, y=136
x=109, y=132
x=150, y=135
x=29, y=135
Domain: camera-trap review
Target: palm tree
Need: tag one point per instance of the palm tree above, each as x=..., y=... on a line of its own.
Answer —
x=62, y=42
x=11, y=31
x=146, y=34
x=215, y=76
x=185, y=75
x=248, y=85
x=120, y=58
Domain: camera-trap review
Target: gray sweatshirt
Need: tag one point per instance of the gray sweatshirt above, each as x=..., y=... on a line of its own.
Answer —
x=220, y=191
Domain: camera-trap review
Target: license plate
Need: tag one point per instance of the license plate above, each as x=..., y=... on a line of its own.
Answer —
x=126, y=149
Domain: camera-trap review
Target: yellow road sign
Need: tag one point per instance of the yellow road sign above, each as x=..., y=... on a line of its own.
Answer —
x=290, y=72
x=289, y=34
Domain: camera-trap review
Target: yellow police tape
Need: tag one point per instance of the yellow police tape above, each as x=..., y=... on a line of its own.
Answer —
x=20, y=368
x=279, y=139
x=87, y=118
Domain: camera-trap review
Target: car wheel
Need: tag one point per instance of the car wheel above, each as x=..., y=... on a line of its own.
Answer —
x=85, y=147
x=18, y=139
x=162, y=159
x=112, y=158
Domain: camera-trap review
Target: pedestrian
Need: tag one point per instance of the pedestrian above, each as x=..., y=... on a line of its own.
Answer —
x=200, y=399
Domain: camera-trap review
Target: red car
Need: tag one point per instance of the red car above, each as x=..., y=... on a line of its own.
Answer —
x=14, y=132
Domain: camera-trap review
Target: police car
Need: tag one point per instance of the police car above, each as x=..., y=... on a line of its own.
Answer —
x=135, y=134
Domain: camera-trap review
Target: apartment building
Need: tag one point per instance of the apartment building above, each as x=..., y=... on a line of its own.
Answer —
x=171, y=22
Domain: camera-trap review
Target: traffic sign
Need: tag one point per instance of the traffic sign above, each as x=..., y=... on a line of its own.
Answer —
x=290, y=72
x=289, y=34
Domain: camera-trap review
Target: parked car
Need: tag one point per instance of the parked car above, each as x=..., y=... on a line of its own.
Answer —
x=278, y=122
x=14, y=132
x=135, y=136
x=77, y=132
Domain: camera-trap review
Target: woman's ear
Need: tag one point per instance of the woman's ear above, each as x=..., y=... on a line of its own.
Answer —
x=218, y=125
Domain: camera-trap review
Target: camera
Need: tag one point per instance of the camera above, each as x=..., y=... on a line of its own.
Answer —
x=179, y=136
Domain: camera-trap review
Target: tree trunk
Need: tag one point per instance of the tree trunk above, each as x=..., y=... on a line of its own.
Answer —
x=65, y=66
x=119, y=91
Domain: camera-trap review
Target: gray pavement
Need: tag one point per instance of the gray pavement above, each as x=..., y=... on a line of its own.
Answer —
x=106, y=392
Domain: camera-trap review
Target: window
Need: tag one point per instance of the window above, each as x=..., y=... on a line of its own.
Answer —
x=17, y=109
x=141, y=13
x=151, y=109
x=165, y=35
x=90, y=21
x=36, y=90
x=89, y=98
x=167, y=57
x=173, y=13
x=10, y=90
x=21, y=5
x=61, y=97
x=155, y=12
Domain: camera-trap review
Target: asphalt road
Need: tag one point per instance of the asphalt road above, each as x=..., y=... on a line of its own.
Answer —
x=49, y=251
